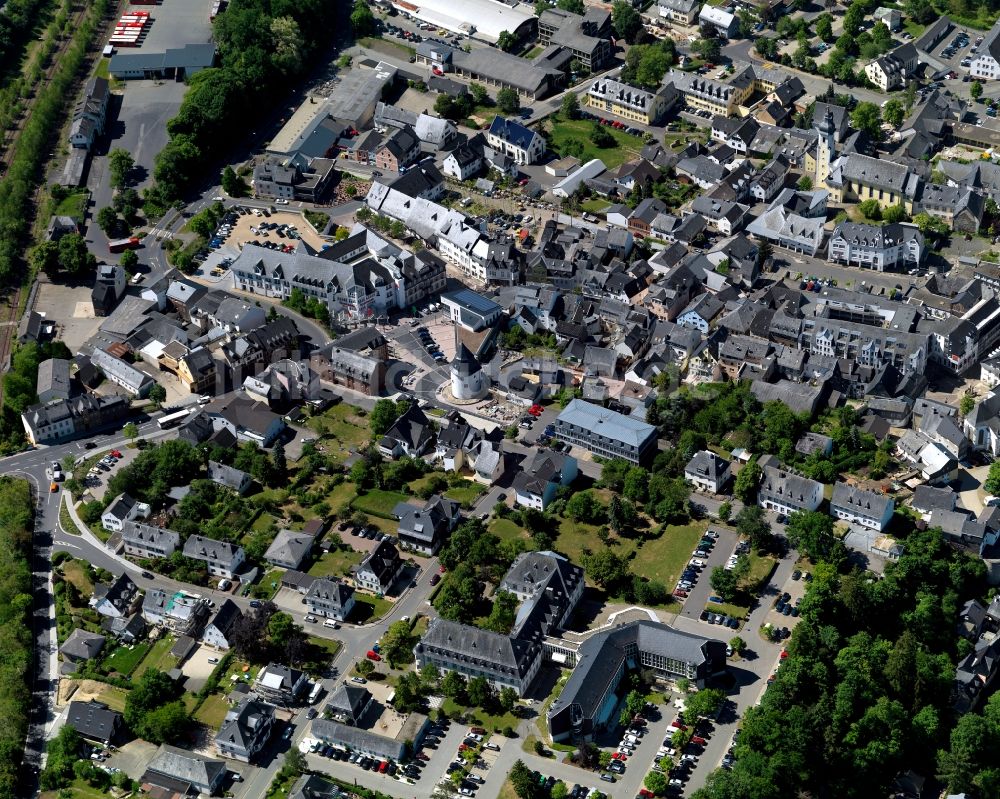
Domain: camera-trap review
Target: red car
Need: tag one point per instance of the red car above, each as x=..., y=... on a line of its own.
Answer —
x=116, y=453
x=442, y=569
x=677, y=725
x=784, y=653
x=646, y=793
x=462, y=747
x=697, y=739
x=619, y=756
x=371, y=654
x=422, y=756
x=680, y=594
x=382, y=767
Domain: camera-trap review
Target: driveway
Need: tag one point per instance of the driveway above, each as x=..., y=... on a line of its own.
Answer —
x=197, y=669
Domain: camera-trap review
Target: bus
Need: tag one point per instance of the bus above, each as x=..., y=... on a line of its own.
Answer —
x=120, y=245
x=172, y=419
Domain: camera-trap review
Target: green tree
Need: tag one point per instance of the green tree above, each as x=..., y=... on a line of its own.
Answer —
x=811, y=533
x=233, y=184
x=507, y=699
x=992, y=482
x=120, y=166
x=524, y=783
x=453, y=686
x=364, y=667
x=766, y=47
x=656, y=781
x=867, y=117
x=751, y=523
x=703, y=704
x=362, y=19
x=894, y=112
x=508, y=101
x=824, y=27
x=745, y=485
x=966, y=404
x=382, y=417
x=707, y=49
x=157, y=394
x=74, y=257
x=503, y=614
x=584, y=506
x=397, y=643
x=976, y=90
x=506, y=41
x=44, y=257
x=570, y=106
x=601, y=137
x=895, y=213
x=573, y=6
x=626, y=20
x=130, y=431
x=870, y=209
x=481, y=693
x=724, y=583
x=108, y=220
x=804, y=183
x=279, y=464
x=479, y=94
x=129, y=260
x=152, y=710
x=737, y=644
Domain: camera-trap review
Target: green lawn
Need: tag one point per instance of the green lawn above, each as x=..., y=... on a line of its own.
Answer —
x=340, y=495
x=113, y=697
x=761, y=567
x=159, y=657
x=74, y=572
x=480, y=717
x=378, y=502
x=368, y=607
x=628, y=147
x=663, y=558
x=595, y=205
x=212, y=711
x=575, y=537
x=124, y=660
x=320, y=653
x=534, y=52
x=74, y=205
x=915, y=29
x=264, y=522
x=342, y=424
x=78, y=789
x=269, y=584
x=506, y=530
x=467, y=493
x=102, y=68
x=336, y=563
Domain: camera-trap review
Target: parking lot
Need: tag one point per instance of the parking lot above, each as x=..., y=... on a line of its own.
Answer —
x=197, y=668
x=176, y=23
x=72, y=309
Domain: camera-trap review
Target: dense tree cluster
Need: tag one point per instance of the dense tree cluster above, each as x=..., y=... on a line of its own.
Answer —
x=155, y=470
x=866, y=689
x=263, y=47
x=154, y=710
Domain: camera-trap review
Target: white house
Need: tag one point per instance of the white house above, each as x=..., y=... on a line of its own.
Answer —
x=863, y=508
x=891, y=70
x=784, y=491
x=707, y=471
x=986, y=65
x=535, y=486
x=123, y=508
x=522, y=145
x=222, y=558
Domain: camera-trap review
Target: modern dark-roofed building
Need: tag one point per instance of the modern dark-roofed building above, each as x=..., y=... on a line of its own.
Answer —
x=588, y=701
x=94, y=721
x=606, y=433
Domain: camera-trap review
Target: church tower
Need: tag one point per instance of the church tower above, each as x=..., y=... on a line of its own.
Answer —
x=825, y=149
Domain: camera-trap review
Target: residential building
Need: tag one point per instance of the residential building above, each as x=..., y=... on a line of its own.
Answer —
x=178, y=771
x=701, y=313
x=367, y=742
x=281, y=684
x=95, y=722
x=605, y=432
x=148, y=542
x=629, y=102
x=435, y=131
x=959, y=207
x=986, y=64
x=330, y=599
x=788, y=230
x=411, y=434
x=397, y=152
x=503, y=660
x=466, y=160
x=134, y=381
x=783, y=491
x=706, y=94
x=246, y=730
x=348, y=703
x=247, y=419
x=587, y=703
x=707, y=471
x=422, y=180
x=881, y=247
x=858, y=506
x=289, y=549
x=425, y=529
x=546, y=579
x=683, y=12
x=123, y=508
x=180, y=612
x=116, y=599
x=90, y=113
x=361, y=369
x=891, y=70
x=218, y=632
x=81, y=646
x=59, y=420
x=522, y=145
x=229, y=477
x=540, y=477
x=379, y=569
x=295, y=177
x=222, y=558
x=586, y=36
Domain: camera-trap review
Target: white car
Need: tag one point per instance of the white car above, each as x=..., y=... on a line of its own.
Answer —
x=698, y=562
x=281, y=201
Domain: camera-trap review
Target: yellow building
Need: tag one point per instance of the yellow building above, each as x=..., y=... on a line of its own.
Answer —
x=856, y=178
x=628, y=102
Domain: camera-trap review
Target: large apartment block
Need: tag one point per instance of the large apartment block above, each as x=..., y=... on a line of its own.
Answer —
x=606, y=433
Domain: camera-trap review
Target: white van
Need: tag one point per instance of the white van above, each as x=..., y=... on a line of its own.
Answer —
x=333, y=625
x=317, y=689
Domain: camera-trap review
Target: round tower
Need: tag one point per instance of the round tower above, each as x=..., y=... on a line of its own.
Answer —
x=468, y=381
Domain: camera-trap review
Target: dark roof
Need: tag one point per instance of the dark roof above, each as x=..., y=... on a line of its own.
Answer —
x=93, y=720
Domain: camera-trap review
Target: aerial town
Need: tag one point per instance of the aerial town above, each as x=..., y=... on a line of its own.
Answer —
x=569, y=400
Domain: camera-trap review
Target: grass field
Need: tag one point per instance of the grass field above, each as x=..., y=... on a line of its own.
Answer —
x=78, y=789
x=663, y=558
x=466, y=493
x=212, y=711
x=113, y=697
x=378, y=502
x=595, y=205
x=124, y=660
x=159, y=657
x=736, y=611
x=269, y=584
x=342, y=424
x=479, y=716
x=74, y=572
x=628, y=147
x=74, y=205
x=575, y=537
x=340, y=495
x=506, y=530
x=336, y=563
